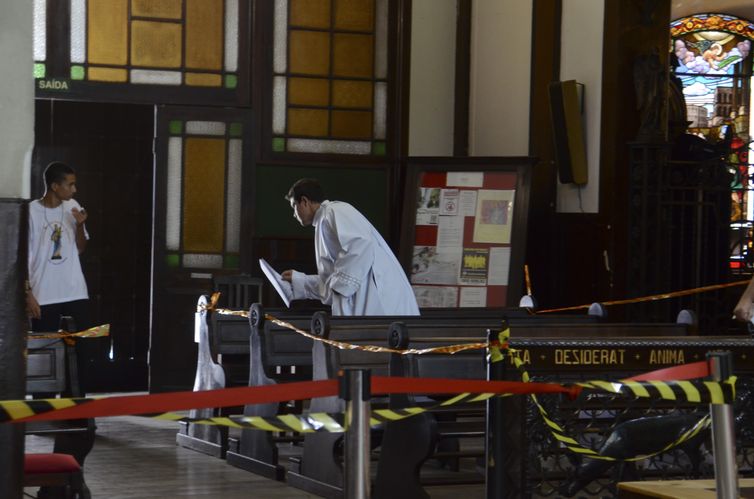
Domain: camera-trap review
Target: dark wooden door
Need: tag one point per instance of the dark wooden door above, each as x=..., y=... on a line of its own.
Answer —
x=203, y=161
x=110, y=147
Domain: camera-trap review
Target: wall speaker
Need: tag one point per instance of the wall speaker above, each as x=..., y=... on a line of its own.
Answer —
x=566, y=109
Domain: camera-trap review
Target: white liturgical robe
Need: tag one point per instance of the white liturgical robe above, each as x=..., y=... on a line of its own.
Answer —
x=357, y=271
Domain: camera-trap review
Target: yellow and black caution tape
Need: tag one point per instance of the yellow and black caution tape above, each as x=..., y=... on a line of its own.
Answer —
x=689, y=391
x=92, y=332
x=661, y=296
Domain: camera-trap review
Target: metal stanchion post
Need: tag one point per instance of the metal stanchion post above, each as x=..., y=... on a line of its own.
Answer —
x=355, y=389
x=723, y=431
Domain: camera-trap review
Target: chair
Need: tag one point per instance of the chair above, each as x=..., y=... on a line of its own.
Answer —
x=55, y=470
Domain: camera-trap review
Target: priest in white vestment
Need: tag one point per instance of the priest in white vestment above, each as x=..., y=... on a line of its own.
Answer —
x=357, y=272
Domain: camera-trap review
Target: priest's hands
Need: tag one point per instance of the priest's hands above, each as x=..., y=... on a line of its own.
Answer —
x=287, y=275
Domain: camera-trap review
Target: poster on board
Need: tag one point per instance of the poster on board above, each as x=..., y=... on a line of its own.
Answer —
x=494, y=216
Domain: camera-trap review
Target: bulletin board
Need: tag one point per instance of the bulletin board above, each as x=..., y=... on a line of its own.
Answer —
x=464, y=236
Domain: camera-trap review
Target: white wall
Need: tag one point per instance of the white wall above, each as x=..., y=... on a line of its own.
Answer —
x=581, y=60
x=433, y=52
x=16, y=98
x=501, y=34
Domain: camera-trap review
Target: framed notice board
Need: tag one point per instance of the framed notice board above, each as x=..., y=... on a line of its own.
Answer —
x=464, y=230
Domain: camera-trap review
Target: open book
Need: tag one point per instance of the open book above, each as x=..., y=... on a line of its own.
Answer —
x=283, y=288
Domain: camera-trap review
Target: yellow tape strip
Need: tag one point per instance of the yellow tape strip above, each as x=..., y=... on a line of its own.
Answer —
x=92, y=332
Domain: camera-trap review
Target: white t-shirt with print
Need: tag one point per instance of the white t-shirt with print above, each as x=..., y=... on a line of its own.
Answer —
x=55, y=272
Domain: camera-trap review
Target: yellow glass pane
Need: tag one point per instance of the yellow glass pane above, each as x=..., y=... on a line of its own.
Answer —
x=354, y=15
x=164, y=9
x=308, y=122
x=204, y=195
x=107, y=74
x=352, y=124
x=204, y=34
x=107, y=32
x=353, y=55
x=203, y=80
x=309, y=91
x=309, y=52
x=155, y=44
x=350, y=93
x=309, y=13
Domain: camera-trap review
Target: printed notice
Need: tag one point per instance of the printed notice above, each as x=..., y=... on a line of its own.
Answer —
x=428, y=205
x=474, y=266
x=465, y=179
x=432, y=265
x=473, y=297
x=449, y=202
x=450, y=232
x=468, y=203
x=436, y=296
x=500, y=261
x=494, y=216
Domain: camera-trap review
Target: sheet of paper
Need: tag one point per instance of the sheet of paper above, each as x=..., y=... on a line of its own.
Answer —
x=436, y=296
x=473, y=297
x=428, y=206
x=468, y=203
x=450, y=232
x=464, y=179
x=500, y=261
x=449, y=202
x=282, y=287
x=494, y=216
x=474, y=266
x=433, y=265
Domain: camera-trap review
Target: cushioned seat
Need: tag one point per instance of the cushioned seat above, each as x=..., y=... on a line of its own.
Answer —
x=55, y=470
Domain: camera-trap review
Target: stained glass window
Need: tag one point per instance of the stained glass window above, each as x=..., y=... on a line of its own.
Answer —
x=330, y=76
x=203, y=212
x=712, y=57
x=190, y=43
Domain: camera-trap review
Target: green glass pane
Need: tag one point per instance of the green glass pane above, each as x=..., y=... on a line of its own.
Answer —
x=231, y=81
x=231, y=262
x=278, y=144
x=176, y=127
x=77, y=72
x=236, y=129
x=173, y=260
x=378, y=148
x=39, y=70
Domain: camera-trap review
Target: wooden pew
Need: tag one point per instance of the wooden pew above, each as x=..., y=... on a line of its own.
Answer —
x=52, y=370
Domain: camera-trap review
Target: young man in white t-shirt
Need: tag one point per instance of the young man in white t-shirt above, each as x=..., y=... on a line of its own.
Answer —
x=56, y=237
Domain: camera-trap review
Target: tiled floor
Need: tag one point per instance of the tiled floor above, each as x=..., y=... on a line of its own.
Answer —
x=137, y=458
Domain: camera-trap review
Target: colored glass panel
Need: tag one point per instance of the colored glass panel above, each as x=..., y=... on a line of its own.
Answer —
x=204, y=34
x=39, y=70
x=329, y=146
x=163, y=9
x=233, y=204
x=231, y=35
x=105, y=74
x=203, y=80
x=78, y=31
x=174, y=179
x=235, y=129
x=309, y=52
x=205, y=127
x=380, y=109
x=279, y=84
x=353, y=55
x=155, y=77
x=378, y=149
x=156, y=44
x=173, y=260
x=310, y=13
x=380, y=40
x=308, y=122
x=232, y=262
x=231, y=81
x=352, y=93
x=354, y=15
x=78, y=72
x=203, y=194
x=176, y=127
x=107, y=26
x=278, y=144
x=194, y=261
x=280, y=36
x=40, y=30
x=352, y=124
x=309, y=91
